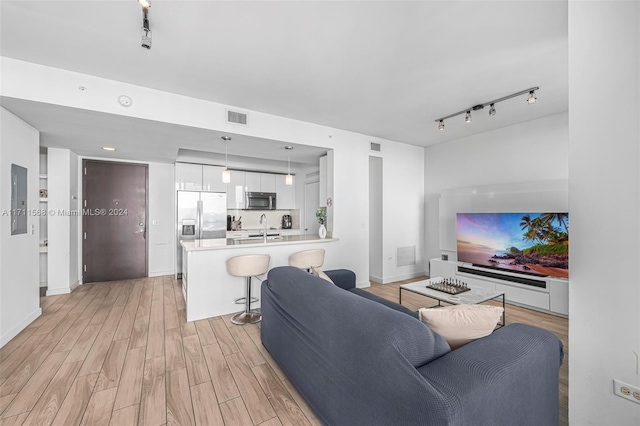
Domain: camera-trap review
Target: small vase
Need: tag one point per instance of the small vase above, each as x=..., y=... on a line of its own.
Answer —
x=322, y=232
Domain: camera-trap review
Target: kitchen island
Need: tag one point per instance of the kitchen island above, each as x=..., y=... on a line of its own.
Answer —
x=210, y=291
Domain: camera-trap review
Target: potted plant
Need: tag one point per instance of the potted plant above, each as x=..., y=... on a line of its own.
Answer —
x=321, y=215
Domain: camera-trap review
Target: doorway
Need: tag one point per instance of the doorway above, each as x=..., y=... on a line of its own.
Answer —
x=311, y=204
x=114, y=220
x=375, y=220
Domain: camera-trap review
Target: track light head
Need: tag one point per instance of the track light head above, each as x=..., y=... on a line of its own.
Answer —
x=441, y=125
x=467, y=118
x=145, y=30
x=492, y=110
x=531, y=99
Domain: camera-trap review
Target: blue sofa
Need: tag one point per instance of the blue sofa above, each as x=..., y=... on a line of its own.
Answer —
x=357, y=361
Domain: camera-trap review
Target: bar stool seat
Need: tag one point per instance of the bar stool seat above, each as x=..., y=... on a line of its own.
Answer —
x=248, y=266
x=307, y=259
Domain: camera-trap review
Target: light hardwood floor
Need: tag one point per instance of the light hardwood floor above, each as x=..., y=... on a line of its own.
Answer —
x=122, y=353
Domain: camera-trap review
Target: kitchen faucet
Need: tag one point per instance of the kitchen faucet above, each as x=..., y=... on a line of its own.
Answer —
x=264, y=231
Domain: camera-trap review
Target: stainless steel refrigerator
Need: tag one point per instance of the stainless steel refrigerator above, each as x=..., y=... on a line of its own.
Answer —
x=201, y=215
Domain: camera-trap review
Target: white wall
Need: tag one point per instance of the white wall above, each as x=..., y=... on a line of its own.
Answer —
x=62, y=256
x=604, y=183
x=19, y=275
x=403, y=208
x=376, y=200
x=534, y=151
x=29, y=81
x=162, y=210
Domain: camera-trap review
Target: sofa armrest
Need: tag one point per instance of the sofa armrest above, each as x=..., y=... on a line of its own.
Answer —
x=343, y=278
x=508, y=377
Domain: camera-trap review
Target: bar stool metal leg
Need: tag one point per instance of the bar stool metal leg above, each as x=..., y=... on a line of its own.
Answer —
x=249, y=316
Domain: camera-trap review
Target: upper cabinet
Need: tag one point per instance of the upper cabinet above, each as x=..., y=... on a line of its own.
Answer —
x=323, y=182
x=285, y=193
x=212, y=179
x=252, y=182
x=235, y=190
x=188, y=177
x=268, y=182
x=260, y=182
x=198, y=177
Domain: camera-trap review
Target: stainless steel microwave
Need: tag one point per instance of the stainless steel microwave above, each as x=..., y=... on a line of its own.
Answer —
x=260, y=201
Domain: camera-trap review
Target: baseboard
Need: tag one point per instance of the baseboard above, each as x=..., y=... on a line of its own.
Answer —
x=363, y=284
x=375, y=279
x=5, y=338
x=402, y=277
x=58, y=291
x=74, y=285
x=162, y=273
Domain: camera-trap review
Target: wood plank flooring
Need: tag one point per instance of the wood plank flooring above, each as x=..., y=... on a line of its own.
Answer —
x=121, y=353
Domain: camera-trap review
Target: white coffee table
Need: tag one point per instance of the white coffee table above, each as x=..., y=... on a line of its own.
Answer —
x=473, y=296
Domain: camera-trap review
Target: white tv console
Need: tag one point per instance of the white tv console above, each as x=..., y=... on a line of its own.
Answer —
x=540, y=293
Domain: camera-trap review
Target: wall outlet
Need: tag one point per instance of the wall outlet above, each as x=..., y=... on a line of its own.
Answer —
x=155, y=222
x=626, y=391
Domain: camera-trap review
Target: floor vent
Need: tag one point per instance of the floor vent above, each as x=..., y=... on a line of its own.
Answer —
x=375, y=147
x=406, y=256
x=236, y=117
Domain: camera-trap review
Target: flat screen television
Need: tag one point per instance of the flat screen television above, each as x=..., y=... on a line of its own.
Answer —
x=528, y=243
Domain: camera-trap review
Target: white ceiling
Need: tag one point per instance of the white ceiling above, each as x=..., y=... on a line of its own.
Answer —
x=385, y=69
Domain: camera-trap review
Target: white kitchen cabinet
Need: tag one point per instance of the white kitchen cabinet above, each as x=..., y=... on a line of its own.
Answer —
x=285, y=194
x=188, y=177
x=268, y=182
x=260, y=182
x=252, y=182
x=235, y=190
x=212, y=179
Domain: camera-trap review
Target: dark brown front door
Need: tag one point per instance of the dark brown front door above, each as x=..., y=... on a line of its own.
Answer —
x=114, y=221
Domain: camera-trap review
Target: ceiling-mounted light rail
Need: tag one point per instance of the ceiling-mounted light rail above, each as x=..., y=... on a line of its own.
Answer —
x=531, y=99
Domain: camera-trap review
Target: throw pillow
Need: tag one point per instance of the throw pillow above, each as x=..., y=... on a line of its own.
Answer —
x=460, y=324
x=318, y=273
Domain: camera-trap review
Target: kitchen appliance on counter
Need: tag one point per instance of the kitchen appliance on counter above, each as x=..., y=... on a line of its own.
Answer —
x=201, y=215
x=260, y=201
x=286, y=221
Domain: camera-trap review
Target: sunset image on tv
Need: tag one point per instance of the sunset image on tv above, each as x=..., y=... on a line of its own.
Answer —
x=531, y=243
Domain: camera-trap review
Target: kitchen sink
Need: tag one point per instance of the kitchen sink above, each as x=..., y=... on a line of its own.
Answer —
x=254, y=240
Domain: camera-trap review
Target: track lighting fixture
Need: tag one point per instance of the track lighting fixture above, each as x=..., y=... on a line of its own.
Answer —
x=146, y=28
x=226, y=174
x=288, y=180
x=531, y=99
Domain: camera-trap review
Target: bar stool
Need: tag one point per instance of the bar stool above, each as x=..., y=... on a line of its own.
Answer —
x=307, y=259
x=248, y=266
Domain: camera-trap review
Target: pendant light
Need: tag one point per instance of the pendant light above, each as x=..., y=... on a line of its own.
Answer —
x=288, y=180
x=226, y=174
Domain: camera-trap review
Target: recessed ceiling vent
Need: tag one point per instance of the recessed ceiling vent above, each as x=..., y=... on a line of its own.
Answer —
x=237, y=117
x=375, y=147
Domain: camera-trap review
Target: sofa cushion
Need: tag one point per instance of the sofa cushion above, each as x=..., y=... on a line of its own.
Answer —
x=385, y=302
x=460, y=324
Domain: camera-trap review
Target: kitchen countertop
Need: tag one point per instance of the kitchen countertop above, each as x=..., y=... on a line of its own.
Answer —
x=230, y=243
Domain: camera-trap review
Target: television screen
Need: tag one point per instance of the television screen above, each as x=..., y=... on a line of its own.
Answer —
x=530, y=243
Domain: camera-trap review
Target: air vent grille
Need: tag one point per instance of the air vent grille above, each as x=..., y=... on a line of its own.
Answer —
x=236, y=117
x=406, y=256
x=375, y=147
